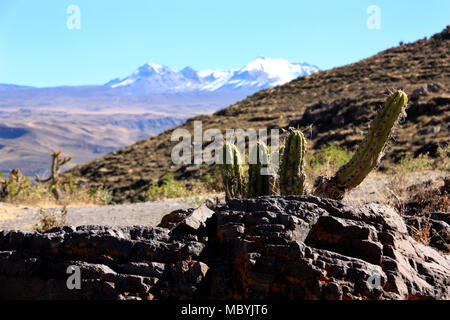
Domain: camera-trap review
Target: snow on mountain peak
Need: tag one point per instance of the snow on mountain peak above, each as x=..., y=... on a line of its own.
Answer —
x=259, y=74
x=149, y=68
x=280, y=70
x=155, y=66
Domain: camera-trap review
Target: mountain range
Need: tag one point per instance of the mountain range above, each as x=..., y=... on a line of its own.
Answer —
x=259, y=74
x=84, y=121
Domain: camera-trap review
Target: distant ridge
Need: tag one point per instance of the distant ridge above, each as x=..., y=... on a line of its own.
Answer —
x=336, y=105
x=259, y=74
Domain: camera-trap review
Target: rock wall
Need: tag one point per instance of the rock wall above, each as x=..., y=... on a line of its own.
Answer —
x=263, y=248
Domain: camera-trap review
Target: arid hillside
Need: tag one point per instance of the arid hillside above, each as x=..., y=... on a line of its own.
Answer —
x=330, y=106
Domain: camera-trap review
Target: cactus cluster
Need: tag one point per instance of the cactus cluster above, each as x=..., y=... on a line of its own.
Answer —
x=260, y=182
x=291, y=176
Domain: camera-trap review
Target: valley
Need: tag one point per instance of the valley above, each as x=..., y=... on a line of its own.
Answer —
x=28, y=138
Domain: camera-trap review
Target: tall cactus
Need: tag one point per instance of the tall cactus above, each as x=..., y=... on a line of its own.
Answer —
x=369, y=151
x=232, y=172
x=292, y=167
x=259, y=184
x=57, y=162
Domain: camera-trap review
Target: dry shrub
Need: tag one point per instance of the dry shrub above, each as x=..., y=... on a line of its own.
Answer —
x=422, y=231
x=396, y=192
x=424, y=199
x=51, y=218
x=422, y=202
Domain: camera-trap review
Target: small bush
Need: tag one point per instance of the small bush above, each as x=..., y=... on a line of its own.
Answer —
x=16, y=187
x=421, y=162
x=328, y=160
x=170, y=188
x=212, y=181
x=424, y=162
x=442, y=162
x=51, y=218
x=100, y=196
x=193, y=192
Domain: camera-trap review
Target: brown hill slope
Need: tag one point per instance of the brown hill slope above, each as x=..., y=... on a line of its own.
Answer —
x=338, y=103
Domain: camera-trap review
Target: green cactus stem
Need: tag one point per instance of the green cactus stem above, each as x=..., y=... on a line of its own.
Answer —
x=57, y=162
x=281, y=150
x=292, y=167
x=274, y=179
x=369, y=151
x=259, y=184
x=232, y=172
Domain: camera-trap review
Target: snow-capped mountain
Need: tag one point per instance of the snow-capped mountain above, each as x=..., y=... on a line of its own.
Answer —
x=259, y=74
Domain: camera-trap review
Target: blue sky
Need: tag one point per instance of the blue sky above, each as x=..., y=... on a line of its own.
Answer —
x=116, y=36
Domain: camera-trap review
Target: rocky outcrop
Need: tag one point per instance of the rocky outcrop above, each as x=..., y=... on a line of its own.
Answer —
x=264, y=248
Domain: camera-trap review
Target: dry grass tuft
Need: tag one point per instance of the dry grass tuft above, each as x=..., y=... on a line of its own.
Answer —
x=51, y=218
x=422, y=232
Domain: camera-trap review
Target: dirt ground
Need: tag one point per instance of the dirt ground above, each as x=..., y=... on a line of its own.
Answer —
x=148, y=213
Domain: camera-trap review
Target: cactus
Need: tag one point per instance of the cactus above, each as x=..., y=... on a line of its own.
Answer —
x=292, y=167
x=259, y=184
x=281, y=151
x=369, y=151
x=274, y=179
x=15, y=184
x=232, y=172
x=57, y=162
x=292, y=160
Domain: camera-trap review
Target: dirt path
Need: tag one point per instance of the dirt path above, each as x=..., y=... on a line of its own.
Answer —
x=148, y=213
